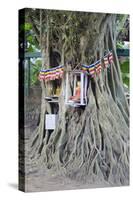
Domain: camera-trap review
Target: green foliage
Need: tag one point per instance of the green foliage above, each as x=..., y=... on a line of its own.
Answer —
x=120, y=44
x=25, y=27
x=35, y=68
x=31, y=42
x=125, y=72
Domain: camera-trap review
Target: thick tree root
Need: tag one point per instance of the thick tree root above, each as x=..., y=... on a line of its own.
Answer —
x=94, y=145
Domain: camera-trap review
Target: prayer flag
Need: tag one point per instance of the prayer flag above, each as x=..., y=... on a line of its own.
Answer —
x=110, y=57
x=106, y=62
x=98, y=68
x=51, y=74
x=92, y=71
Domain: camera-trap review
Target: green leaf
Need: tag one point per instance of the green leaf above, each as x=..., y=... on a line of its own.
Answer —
x=27, y=26
x=125, y=72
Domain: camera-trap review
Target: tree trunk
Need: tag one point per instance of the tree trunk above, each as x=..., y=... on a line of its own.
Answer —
x=89, y=143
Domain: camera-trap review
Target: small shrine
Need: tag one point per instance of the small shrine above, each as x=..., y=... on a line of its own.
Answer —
x=75, y=94
x=52, y=77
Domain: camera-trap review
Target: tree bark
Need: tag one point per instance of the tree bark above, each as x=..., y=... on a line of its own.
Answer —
x=89, y=144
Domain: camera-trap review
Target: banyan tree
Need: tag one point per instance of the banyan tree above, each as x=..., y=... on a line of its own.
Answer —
x=90, y=143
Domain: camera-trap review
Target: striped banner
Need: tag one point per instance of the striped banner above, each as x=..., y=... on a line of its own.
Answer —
x=51, y=74
x=110, y=57
x=98, y=67
x=93, y=69
x=106, y=62
x=90, y=69
x=84, y=67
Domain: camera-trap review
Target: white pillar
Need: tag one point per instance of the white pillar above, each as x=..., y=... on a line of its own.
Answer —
x=75, y=80
x=82, y=88
x=85, y=92
x=66, y=95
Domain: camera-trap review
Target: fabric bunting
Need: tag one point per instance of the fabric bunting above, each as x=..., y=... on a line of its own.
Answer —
x=93, y=69
x=106, y=62
x=84, y=67
x=51, y=74
x=98, y=67
x=110, y=57
x=90, y=69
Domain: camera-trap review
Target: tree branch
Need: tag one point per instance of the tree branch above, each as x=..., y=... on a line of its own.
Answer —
x=35, y=29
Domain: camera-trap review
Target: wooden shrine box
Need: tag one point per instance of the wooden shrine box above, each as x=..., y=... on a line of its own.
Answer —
x=78, y=75
x=51, y=121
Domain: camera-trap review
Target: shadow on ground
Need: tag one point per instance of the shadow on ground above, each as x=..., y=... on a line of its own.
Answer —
x=13, y=185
